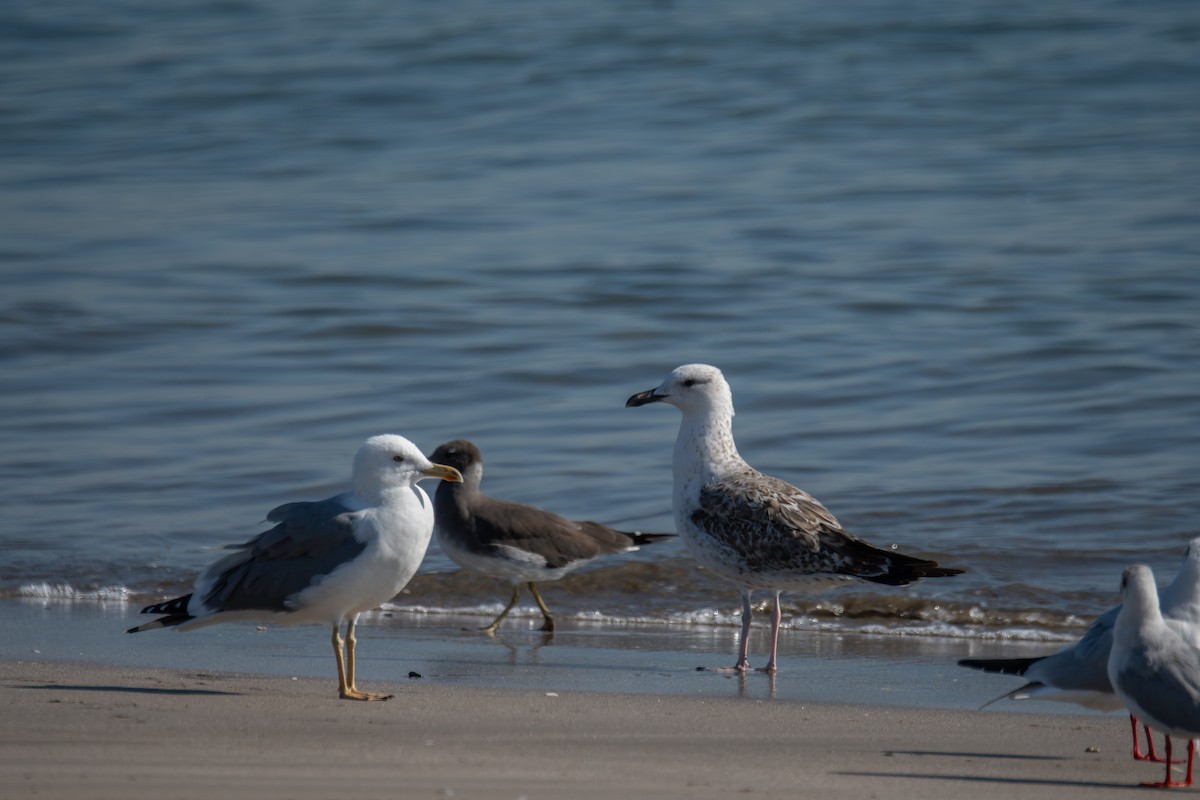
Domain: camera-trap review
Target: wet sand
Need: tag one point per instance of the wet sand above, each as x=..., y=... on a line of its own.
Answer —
x=77, y=730
x=595, y=711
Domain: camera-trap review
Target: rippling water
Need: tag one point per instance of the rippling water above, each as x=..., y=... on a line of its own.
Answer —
x=946, y=255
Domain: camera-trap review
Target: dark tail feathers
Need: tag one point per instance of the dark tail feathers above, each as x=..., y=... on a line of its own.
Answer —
x=1004, y=666
x=649, y=538
x=903, y=570
x=175, y=610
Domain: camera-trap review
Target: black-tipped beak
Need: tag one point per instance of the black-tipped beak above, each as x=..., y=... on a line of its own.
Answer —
x=642, y=398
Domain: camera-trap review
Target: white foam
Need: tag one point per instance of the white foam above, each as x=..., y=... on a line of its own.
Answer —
x=934, y=628
x=65, y=591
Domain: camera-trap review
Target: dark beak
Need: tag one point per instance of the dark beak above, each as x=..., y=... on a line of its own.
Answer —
x=642, y=398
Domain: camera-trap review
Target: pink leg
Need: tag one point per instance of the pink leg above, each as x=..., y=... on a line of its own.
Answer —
x=1191, y=757
x=743, y=662
x=776, y=618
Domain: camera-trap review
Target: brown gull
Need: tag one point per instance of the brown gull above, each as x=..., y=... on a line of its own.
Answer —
x=514, y=541
x=753, y=529
x=325, y=561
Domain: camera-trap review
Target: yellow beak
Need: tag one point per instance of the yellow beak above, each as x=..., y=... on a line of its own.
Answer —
x=443, y=472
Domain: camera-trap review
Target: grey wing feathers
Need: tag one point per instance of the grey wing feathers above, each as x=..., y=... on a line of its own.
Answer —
x=308, y=541
x=556, y=539
x=1170, y=693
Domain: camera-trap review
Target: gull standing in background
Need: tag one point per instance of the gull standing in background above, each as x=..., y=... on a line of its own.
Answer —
x=514, y=541
x=1079, y=673
x=325, y=561
x=1154, y=669
x=752, y=529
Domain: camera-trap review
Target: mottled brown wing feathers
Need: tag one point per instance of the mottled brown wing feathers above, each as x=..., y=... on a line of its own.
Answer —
x=773, y=527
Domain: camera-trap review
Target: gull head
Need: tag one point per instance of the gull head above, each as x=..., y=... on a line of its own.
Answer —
x=693, y=389
x=1189, y=573
x=389, y=461
x=1192, y=553
x=463, y=456
x=1139, y=594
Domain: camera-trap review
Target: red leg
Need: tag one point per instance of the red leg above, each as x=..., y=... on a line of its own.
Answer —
x=1137, y=748
x=1151, y=755
x=1167, y=782
x=1150, y=744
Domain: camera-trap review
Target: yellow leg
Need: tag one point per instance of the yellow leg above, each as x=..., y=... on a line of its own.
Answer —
x=548, y=623
x=490, y=630
x=343, y=686
x=346, y=687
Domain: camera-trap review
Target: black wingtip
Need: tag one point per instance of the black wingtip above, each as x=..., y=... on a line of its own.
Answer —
x=651, y=538
x=176, y=605
x=1002, y=666
x=169, y=621
x=902, y=573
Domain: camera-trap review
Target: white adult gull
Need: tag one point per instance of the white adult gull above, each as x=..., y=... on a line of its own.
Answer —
x=325, y=561
x=520, y=543
x=1078, y=673
x=753, y=529
x=1155, y=669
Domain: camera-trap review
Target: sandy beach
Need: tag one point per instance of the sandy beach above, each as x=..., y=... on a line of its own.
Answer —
x=80, y=730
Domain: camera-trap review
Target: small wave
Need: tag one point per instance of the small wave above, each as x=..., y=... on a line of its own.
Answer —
x=945, y=630
x=712, y=617
x=67, y=592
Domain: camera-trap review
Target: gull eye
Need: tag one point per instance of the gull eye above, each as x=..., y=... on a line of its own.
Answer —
x=690, y=382
x=398, y=459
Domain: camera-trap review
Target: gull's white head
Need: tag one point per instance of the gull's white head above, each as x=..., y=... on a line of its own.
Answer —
x=693, y=389
x=1192, y=553
x=389, y=461
x=1139, y=595
x=1191, y=562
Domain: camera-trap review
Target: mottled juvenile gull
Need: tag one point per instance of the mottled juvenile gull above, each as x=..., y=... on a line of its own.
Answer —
x=1154, y=669
x=752, y=529
x=325, y=561
x=1079, y=673
x=517, y=542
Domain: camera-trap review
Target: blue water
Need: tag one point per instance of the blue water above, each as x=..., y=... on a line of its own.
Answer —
x=947, y=255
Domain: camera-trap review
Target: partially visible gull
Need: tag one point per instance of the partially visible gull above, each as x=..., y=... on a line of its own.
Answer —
x=1079, y=673
x=325, y=561
x=753, y=529
x=517, y=542
x=1154, y=669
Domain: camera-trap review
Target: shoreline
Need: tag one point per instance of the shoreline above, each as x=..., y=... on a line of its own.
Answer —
x=74, y=729
x=815, y=666
x=593, y=711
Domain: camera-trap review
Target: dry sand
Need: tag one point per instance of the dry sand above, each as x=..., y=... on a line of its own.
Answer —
x=74, y=730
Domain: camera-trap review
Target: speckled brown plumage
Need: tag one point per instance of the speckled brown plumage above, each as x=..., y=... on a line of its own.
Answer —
x=753, y=529
x=779, y=536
